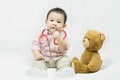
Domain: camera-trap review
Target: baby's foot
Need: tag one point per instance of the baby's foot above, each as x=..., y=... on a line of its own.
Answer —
x=65, y=72
x=34, y=72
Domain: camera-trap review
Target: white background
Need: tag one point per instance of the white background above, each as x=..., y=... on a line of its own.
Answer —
x=22, y=20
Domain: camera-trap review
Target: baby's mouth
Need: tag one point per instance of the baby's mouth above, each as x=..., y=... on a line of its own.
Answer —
x=53, y=29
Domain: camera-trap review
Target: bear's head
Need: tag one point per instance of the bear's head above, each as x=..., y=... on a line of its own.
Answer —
x=93, y=40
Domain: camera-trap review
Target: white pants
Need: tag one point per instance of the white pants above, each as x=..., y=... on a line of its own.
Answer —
x=63, y=62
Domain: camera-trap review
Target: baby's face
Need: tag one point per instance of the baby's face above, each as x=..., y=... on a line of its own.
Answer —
x=55, y=22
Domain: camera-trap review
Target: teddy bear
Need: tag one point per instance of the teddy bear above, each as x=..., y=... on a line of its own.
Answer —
x=90, y=59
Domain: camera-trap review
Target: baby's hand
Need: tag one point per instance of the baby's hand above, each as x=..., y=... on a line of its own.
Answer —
x=37, y=55
x=56, y=34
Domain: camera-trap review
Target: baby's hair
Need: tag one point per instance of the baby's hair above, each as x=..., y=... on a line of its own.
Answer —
x=58, y=10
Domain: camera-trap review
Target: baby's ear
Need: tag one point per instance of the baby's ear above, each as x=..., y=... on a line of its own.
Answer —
x=102, y=36
x=64, y=25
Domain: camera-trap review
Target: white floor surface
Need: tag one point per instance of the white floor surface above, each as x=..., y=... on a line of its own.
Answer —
x=13, y=67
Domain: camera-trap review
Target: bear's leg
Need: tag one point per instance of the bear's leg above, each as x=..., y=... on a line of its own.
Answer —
x=79, y=67
x=84, y=68
x=76, y=66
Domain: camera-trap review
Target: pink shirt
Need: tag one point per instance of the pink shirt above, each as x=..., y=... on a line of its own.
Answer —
x=47, y=45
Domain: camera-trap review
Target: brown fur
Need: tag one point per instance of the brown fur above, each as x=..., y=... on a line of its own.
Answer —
x=90, y=59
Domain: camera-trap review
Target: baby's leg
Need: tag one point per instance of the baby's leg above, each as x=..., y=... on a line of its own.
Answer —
x=64, y=69
x=38, y=69
x=63, y=62
x=40, y=65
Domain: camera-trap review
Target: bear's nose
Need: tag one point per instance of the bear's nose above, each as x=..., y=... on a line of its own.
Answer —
x=83, y=40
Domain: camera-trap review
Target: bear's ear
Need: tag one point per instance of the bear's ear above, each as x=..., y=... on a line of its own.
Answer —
x=102, y=36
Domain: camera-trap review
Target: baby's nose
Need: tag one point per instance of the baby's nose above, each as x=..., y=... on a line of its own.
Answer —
x=54, y=24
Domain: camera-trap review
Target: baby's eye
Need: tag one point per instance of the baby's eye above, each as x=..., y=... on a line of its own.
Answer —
x=58, y=22
x=51, y=20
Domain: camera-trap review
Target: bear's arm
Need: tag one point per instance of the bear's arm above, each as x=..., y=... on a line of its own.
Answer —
x=95, y=63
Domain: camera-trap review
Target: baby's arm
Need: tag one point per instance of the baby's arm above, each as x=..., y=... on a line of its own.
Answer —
x=36, y=50
x=61, y=42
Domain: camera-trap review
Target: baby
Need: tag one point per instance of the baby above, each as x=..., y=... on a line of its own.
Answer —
x=50, y=47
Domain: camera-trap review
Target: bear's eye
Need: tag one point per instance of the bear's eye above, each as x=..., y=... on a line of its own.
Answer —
x=88, y=38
